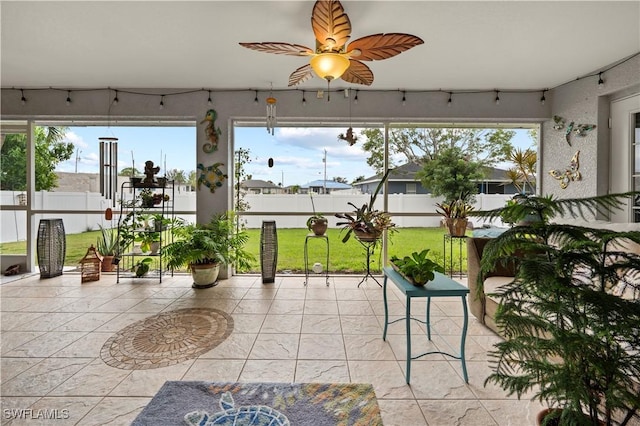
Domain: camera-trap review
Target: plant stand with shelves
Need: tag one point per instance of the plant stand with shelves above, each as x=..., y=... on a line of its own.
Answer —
x=140, y=203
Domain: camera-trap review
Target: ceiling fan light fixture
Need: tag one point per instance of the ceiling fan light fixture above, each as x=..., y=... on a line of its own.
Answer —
x=330, y=66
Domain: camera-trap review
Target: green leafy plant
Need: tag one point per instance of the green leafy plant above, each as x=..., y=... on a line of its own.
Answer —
x=456, y=209
x=216, y=242
x=142, y=266
x=146, y=238
x=570, y=316
x=107, y=242
x=316, y=218
x=417, y=266
x=366, y=221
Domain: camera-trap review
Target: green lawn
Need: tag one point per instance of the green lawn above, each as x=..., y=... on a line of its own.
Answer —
x=344, y=257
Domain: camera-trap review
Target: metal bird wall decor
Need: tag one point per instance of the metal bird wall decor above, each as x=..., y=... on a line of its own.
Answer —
x=213, y=133
x=570, y=174
x=332, y=29
x=580, y=130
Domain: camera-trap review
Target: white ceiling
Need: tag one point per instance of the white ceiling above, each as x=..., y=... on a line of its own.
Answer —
x=476, y=45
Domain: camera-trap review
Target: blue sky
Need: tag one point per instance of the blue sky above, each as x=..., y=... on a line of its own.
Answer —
x=297, y=152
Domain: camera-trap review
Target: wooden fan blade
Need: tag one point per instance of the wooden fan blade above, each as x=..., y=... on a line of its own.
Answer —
x=300, y=75
x=279, y=48
x=382, y=46
x=330, y=24
x=358, y=73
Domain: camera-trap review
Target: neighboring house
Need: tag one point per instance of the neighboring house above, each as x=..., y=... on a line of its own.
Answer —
x=322, y=187
x=402, y=180
x=257, y=186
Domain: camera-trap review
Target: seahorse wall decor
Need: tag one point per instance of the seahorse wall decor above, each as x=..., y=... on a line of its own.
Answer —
x=213, y=133
x=211, y=176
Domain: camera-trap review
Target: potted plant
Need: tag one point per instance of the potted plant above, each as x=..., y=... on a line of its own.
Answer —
x=456, y=214
x=141, y=267
x=570, y=316
x=204, y=248
x=317, y=223
x=149, y=241
x=107, y=246
x=366, y=222
x=418, y=269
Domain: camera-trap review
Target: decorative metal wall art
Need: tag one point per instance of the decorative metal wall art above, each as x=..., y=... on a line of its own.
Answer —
x=213, y=133
x=211, y=176
x=570, y=174
x=580, y=130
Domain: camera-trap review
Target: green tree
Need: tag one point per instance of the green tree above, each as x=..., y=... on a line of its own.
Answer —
x=452, y=174
x=193, y=180
x=129, y=171
x=50, y=150
x=242, y=158
x=419, y=145
x=340, y=179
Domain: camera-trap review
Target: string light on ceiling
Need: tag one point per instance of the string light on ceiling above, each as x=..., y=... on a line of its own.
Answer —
x=404, y=98
x=162, y=102
x=255, y=100
x=600, y=81
x=450, y=101
x=23, y=99
x=497, y=100
x=115, y=99
x=543, y=99
x=304, y=100
x=271, y=113
x=209, y=101
x=68, y=97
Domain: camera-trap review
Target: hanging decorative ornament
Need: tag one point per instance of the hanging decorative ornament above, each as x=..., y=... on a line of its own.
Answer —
x=271, y=112
x=349, y=137
x=270, y=162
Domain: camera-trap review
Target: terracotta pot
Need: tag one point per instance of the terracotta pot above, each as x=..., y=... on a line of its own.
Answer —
x=319, y=226
x=367, y=236
x=556, y=421
x=457, y=227
x=107, y=264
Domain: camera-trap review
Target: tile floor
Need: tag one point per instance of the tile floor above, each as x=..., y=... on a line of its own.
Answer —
x=52, y=331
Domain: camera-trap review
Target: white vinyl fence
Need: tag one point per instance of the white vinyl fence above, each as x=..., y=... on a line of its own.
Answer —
x=262, y=207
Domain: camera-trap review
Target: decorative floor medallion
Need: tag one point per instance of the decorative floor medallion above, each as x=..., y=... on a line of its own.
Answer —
x=167, y=338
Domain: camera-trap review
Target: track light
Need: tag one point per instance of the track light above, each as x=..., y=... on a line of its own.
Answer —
x=209, y=101
x=68, y=97
x=450, y=100
x=23, y=99
x=115, y=99
x=497, y=98
x=162, y=102
x=404, y=98
x=543, y=99
x=600, y=81
x=304, y=100
x=255, y=100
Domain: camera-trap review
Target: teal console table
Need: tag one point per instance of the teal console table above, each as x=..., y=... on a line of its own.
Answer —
x=441, y=286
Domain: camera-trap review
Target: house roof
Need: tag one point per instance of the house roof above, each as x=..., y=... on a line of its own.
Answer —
x=408, y=171
x=257, y=183
x=331, y=184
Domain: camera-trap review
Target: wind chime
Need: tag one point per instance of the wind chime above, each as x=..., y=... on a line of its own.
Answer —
x=271, y=112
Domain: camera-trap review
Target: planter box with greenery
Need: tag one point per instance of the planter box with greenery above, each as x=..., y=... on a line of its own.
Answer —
x=571, y=315
x=418, y=269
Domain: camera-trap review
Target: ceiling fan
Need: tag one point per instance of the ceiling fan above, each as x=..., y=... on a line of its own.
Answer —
x=332, y=57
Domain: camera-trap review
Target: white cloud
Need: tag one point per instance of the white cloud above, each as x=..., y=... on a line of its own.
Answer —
x=75, y=139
